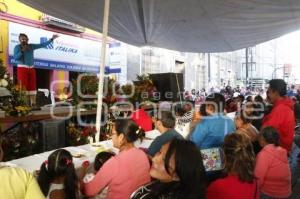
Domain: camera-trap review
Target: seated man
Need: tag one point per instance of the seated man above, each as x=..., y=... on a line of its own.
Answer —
x=164, y=123
x=17, y=183
x=184, y=117
x=211, y=130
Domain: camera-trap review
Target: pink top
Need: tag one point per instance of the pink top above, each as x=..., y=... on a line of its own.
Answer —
x=123, y=174
x=273, y=172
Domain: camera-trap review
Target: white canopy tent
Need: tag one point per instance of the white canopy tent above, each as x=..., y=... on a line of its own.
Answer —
x=183, y=25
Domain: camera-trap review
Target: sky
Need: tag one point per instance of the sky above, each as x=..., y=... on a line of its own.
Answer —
x=289, y=48
x=289, y=52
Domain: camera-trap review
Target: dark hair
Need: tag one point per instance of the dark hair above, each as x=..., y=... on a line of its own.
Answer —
x=202, y=110
x=258, y=98
x=239, y=156
x=59, y=164
x=179, y=109
x=23, y=35
x=279, y=86
x=218, y=99
x=243, y=116
x=167, y=119
x=270, y=135
x=230, y=105
x=249, y=98
x=129, y=129
x=242, y=97
x=189, y=169
x=101, y=158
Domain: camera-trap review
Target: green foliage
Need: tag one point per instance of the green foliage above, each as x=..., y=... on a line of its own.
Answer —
x=143, y=89
x=4, y=75
x=17, y=103
x=77, y=135
x=89, y=88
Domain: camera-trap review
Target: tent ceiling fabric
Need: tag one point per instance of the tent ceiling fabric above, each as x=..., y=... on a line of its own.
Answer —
x=188, y=26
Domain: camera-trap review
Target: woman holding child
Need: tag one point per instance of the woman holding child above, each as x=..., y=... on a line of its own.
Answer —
x=126, y=171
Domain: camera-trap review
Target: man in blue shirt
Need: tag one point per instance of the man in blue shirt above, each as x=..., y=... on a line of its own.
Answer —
x=164, y=123
x=23, y=54
x=211, y=130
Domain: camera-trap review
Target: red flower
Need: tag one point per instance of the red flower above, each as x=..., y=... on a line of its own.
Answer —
x=94, y=130
x=85, y=132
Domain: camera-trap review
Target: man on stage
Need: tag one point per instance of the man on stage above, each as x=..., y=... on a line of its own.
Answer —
x=23, y=54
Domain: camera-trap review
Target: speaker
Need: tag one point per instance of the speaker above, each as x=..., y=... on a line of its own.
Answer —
x=169, y=86
x=52, y=134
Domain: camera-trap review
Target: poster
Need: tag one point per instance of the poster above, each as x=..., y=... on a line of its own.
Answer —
x=67, y=52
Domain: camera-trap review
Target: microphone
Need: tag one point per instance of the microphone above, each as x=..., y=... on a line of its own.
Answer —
x=24, y=47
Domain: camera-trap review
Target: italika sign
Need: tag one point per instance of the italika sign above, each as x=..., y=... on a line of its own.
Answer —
x=65, y=53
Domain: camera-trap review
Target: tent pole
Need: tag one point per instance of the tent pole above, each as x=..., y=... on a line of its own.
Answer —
x=102, y=68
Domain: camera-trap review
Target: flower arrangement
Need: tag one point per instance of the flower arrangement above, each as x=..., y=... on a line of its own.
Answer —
x=15, y=103
x=110, y=96
x=89, y=88
x=143, y=89
x=5, y=78
x=5, y=87
x=19, y=102
x=77, y=135
x=21, y=140
x=89, y=84
x=22, y=110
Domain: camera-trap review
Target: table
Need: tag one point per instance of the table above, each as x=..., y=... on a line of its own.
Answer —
x=33, y=162
x=44, y=115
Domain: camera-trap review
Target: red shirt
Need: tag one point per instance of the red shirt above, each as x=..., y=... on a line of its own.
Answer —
x=231, y=187
x=282, y=118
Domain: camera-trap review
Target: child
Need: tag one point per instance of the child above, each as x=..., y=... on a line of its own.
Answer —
x=57, y=177
x=272, y=166
x=100, y=159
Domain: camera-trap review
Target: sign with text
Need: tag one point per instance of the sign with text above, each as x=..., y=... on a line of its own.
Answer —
x=65, y=53
x=118, y=60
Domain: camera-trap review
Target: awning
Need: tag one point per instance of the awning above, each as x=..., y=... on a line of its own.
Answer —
x=187, y=26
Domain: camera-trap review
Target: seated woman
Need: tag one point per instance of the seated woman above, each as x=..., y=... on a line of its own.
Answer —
x=57, y=177
x=243, y=125
x=179, y=173
x=239, y=169
x=126, y=171
x=272, y=167
x=17, y=183
x=184, y=116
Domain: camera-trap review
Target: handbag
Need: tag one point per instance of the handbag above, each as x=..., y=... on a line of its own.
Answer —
x=213, y=159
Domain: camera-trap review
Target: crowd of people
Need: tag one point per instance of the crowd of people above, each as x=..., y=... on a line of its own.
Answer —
x=255, y=136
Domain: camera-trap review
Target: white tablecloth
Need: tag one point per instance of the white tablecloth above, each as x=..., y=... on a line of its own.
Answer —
x=89, y=151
